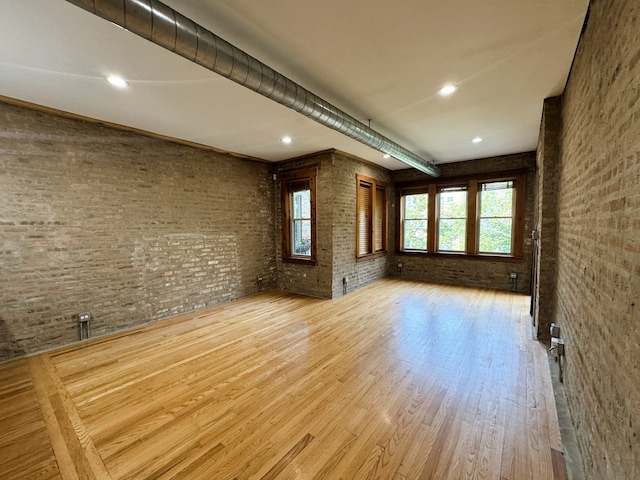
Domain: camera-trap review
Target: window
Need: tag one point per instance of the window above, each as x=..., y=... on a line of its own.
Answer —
x=298, y=216
x=415, y=208
x=481, y=216
x=371, y=210
x=452, y=219
x=301, y=220
x=495, y=231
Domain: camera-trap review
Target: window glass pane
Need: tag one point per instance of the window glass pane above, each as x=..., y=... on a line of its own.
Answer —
x=495, y=230
x=302, y=204
x=301, y=237
x=301, y=223
x=415, y=206
x=415, y=235
x=497, y=185
x=495, y=235
x=496, y=200
x=453, y=204
x=452, y=235
x=414, y=227
x=452, y=219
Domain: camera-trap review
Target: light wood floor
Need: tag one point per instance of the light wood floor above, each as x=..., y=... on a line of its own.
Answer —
x=398, y=380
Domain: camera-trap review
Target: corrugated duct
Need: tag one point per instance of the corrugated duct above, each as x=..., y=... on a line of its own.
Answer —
x=168, y=28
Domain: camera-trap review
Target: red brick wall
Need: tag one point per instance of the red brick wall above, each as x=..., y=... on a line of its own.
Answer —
x=598, y=251
x=126, y=227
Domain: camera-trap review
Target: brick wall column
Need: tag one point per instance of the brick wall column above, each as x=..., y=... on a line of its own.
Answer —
x=546, y=216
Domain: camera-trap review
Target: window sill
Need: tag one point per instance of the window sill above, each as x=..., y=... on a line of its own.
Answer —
x=370, y=256
x=481, y=257
x=300, y=261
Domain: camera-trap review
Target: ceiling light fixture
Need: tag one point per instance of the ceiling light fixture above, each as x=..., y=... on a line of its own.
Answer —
x=117, y=81
x=477, y=140
x=447, y=89
x=286, y=140
x=386, y=156
x=186, y=38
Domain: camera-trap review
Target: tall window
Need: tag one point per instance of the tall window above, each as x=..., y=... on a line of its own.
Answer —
x=480, y=216
x=301, y=220
x=415, y=214
x=495, y=232
x=452, y=219
x=371, y=211
x=298, y=216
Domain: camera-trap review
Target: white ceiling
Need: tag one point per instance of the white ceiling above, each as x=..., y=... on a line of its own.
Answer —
x=377, y=60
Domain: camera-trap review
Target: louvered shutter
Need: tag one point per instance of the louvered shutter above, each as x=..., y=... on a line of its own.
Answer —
x=379, y=213
x=364, y=218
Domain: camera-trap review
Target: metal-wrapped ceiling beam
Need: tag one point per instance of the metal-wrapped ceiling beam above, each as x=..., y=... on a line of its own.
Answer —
x=166, y=27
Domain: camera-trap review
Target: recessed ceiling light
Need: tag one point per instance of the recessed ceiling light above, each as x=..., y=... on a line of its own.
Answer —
x=286, y=140
x=476, y=140
x=117, y=81
x=386, y=156
x=447, y=89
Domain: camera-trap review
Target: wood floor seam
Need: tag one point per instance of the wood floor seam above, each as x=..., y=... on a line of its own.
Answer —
x=83, y=452
x=398, y=380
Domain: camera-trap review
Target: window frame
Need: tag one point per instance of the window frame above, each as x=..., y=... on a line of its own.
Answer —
x=378, y=217
x=512, y=217
x=462, y=187
x=519, y=177
x=403, y=220
x=290, y=183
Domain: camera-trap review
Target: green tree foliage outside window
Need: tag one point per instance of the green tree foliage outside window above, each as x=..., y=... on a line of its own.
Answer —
x=415, y=222
x=476, y=217
x=452, y=219
x=496, y=217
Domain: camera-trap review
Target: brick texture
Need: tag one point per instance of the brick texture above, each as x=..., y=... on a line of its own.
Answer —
x=124, y=226
x=546, y=216
x=336, y=229
x=365, y=270
x=598, y=250
x=314, y=280
x=471, y=271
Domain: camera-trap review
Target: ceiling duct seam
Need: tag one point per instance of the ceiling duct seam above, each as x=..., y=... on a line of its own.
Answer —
x=160, y=24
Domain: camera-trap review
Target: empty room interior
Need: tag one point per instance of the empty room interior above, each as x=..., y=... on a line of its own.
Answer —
x=331, y=240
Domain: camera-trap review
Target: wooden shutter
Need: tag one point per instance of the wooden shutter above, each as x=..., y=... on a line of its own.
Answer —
x=364, y=218
x=379, y=230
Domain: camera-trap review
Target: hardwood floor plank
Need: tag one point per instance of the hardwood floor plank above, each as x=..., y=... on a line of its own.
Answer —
x=288, y=458
x=398, y=380
x=433, y=417
x=72, y=445
x=58, y=441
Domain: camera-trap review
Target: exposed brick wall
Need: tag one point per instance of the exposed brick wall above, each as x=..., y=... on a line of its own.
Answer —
x=314, y=280
x=598, y=266
x=471, y=271
x=366, y=270
x=336, y=229
x=127, y=227
x=176, y=262
x=546, y=215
